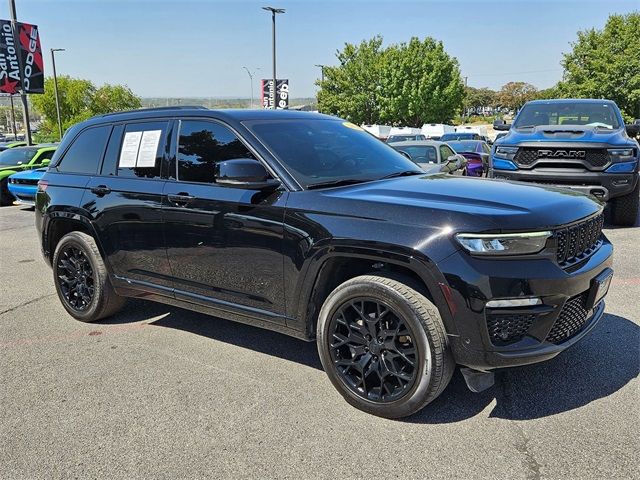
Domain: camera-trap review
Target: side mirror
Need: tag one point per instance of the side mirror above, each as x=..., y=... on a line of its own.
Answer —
x=633, y=129
x=405, y=154
x=244, y=173
x=46, y=162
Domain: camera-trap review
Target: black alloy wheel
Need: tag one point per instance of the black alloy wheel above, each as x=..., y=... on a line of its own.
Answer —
x=373, y=350
x=75, y=278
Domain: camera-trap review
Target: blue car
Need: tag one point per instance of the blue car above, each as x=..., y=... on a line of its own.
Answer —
x=23, y=185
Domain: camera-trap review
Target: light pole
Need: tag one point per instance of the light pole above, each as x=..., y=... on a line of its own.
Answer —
x=251, y=80
x=321, y=67
x=274, y=11
x=23, y=95
x=55, y=88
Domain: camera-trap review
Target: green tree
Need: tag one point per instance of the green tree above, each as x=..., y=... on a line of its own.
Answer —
x=477, y=98
x=79, y=100
x=606, y=64
x=421, y=83
x=515, y=94
x=352, y=89
x=405, y=84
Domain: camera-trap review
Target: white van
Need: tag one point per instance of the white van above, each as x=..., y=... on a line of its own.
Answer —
x=380, y=131
x=479, y=129
x=434, y=131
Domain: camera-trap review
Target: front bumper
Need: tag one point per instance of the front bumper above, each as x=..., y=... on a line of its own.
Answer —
x=24, y=194
x=601, y=185
x=474, y=281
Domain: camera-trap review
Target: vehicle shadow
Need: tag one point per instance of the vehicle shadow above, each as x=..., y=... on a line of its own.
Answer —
x=245, y=336
x=598, y=366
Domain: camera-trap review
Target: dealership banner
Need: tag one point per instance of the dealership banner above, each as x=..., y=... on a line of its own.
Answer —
x=9, y=67
x=23, y=45
x=267, y=94
x=32, y=64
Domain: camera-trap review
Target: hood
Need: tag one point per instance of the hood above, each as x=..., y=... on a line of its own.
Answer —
x=566, y=134
x=464, y=202
x=30, y=174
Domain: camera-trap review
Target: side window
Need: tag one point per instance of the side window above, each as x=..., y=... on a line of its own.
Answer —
x=141, y=150
x=46, y=156
x=445, y=152
x=85, y=153
x=201, y=145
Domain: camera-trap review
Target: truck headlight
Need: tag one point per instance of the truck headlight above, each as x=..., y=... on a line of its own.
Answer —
x=503, y=244
x=621, y=154
x=506, y=153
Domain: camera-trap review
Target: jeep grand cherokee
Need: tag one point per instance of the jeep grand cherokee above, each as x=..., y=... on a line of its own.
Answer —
x=305, y=224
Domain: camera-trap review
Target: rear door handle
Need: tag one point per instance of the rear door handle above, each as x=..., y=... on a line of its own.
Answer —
x=181, y=199
x=101, y=190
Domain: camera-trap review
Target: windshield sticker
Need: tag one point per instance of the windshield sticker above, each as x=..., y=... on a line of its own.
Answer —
x=129, y=152
x=352, y=126
x=148, y=148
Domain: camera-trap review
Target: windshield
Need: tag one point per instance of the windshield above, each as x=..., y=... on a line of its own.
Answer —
x=458, y=136
x=460, y=147
x=404, y=138
x=592, y=114
x=12, y=156
x=420, y=154
x=316, y=151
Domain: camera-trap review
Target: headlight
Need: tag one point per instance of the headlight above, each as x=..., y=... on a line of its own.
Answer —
x=503, y=244
x=621, y=154
x=507, y=153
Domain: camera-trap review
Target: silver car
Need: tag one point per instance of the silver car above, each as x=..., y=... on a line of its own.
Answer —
x=432, y=156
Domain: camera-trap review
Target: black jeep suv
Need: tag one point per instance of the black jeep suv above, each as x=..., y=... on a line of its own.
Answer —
x=305, y=224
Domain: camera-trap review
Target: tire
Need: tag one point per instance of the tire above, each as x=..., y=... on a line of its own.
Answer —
x=624, y=210
x=86, y=291
x=433, y=363
x=5, y=195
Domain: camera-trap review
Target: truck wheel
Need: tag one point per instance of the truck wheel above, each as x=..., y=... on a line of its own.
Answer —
x=81, y=279
x=383, y=345
x=624, y=209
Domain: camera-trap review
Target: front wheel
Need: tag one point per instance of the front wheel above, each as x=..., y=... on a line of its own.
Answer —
x=5, y=195
x=383, y=345
x=624, y=210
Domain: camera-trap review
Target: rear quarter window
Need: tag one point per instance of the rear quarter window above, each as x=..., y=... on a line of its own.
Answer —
x=85, y=153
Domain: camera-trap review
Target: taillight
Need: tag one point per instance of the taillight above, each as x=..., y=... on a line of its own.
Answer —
x=42, y=185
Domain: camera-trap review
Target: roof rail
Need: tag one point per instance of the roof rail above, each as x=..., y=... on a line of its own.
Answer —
x=157, y=109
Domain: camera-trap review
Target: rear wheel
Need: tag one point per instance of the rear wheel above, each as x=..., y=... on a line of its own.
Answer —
x=624, y=210
x=383, y=345
x=81, y=279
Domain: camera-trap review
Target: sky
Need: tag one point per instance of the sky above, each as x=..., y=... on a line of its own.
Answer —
x=182, y=48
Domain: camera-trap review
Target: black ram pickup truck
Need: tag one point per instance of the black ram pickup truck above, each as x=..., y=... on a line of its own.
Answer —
x=307, y=225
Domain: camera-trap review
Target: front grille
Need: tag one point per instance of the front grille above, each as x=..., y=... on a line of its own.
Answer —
x=596, y=157
x=505, y=329
x=571, y=320
x=577, y=242
x=24, y=181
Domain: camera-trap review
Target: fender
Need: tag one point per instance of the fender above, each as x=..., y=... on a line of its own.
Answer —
x=75, y=215
x=6, y=173
x=415, y=261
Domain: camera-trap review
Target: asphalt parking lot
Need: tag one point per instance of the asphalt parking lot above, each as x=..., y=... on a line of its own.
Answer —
x=160, y=392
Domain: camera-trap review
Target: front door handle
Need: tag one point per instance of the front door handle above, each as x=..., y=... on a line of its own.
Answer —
x=181, y=199
x=101, y=190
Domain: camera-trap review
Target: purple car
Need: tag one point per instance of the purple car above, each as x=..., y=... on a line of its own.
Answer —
x=477, y=154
